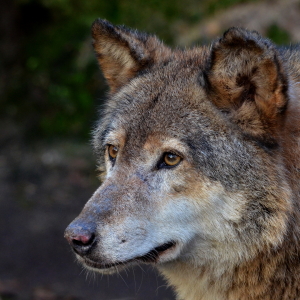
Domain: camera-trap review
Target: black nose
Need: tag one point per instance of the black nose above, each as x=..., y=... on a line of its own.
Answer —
x=81, y=237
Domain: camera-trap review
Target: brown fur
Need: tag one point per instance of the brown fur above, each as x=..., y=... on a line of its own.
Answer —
x=225, y=222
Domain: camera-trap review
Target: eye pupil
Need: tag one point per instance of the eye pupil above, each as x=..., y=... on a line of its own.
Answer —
x=171, y=159
x=113, y=151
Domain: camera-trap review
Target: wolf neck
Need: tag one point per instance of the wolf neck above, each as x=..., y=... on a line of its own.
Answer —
x=265, y=277
x=291, y=139
x=195, y=283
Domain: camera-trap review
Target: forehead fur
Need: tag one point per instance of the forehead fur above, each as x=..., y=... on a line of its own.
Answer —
x=159, y=98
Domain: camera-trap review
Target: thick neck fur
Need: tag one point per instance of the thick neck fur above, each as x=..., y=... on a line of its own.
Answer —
x=270, y=275
x=291, y=138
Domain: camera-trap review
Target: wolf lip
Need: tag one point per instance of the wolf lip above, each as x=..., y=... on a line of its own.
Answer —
x=153, y=255
x=150, y=257
x=98, y=265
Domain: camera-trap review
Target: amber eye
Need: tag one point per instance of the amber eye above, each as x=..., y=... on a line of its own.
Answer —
x=171, y=159
x=112, y=151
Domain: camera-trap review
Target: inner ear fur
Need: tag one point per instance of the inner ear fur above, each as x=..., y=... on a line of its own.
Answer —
x=122, y=52
x=244, y=67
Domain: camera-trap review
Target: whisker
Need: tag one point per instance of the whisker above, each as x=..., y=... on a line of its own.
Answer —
x=122, y=278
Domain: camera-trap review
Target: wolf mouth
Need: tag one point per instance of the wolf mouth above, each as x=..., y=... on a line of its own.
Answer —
x=153, y=255
x=150, y=257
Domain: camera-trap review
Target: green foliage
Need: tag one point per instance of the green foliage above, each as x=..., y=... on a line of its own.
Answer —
x=278, y=35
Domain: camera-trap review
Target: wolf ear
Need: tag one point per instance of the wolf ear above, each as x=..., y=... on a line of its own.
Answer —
x=244, y=67
x=122, y=52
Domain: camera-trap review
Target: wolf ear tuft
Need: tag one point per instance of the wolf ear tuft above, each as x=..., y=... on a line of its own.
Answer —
x=245, y=67
x=122, y=52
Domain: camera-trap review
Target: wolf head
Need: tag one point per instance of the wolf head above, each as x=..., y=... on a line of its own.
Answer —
x=189, y=145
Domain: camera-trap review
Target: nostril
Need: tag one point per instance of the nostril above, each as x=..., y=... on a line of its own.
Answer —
x=83, y=240
x=81, y=237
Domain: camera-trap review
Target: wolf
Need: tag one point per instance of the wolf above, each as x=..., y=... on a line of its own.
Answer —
x=199, y=155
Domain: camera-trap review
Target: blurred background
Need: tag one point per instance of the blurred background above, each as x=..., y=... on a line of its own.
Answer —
x=50, y=92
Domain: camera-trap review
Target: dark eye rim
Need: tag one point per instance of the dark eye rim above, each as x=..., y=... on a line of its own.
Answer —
x=161, y=163
x=112, y=159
